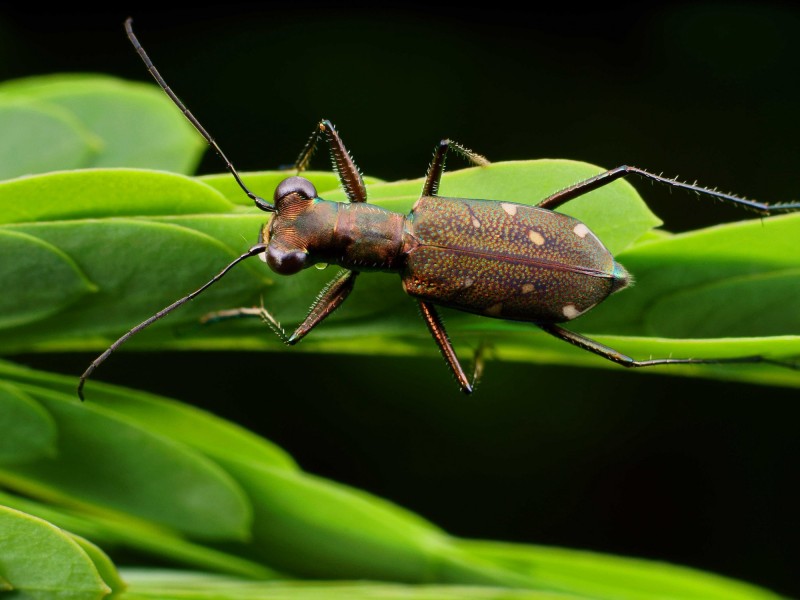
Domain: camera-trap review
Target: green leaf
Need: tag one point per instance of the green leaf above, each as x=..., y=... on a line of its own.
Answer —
x=135, y=264
x=31, y=270
x=111, y=532
x=28, y=430
x=177, y=251
x=105, y=567
x=312, y=527
x=181, y=422
x=107, y=464
x=102, y=193
x=517, y=346
x=733, y=280
x=169, y=585
x=606, y=577
x=137, y=124
x=39, y=137
x=43, y=562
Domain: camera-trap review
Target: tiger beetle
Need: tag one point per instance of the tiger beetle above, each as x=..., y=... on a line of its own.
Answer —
x=497, y=259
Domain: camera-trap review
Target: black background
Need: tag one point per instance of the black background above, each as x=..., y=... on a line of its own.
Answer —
x=691, y=471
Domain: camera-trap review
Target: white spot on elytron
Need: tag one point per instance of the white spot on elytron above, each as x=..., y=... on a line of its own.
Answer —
x=509, y=208
x=536, y=237
x=581, y=230
x=468, y=282
x=527, y=288
x=494, y=310
x=570, y=311
x=475, y=223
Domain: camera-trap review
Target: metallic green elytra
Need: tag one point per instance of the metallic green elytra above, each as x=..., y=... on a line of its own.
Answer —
x=498, y=259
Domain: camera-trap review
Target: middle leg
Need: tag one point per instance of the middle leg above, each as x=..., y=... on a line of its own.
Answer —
x=328, y=300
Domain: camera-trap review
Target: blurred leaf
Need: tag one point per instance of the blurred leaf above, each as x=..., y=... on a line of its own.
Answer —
x=315, y=528
x=41, y=561
x=302, y=524
x=28, y=430
x=135, y=123
x=168, y=585
x=105, y=567
x=112, y=532
x=606, y=577
x=104, y=462
x=39, y=137
x=181, y=422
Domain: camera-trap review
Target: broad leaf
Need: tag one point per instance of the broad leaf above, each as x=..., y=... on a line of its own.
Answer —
x=40, y=137
x=41, y=561
x=28, y=430
x=105, y=463
x=680, y=305
x=305, y=525
x=132, y=124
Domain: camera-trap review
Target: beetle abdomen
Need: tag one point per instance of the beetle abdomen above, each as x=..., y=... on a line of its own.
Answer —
x=506, y=260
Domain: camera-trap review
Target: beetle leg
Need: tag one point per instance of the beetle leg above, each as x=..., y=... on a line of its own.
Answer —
x=258, y=312
x=585, y=343
x=328, y=300
x=436, y=327
x=436, y=167
x=349, y=175
x=584, y=187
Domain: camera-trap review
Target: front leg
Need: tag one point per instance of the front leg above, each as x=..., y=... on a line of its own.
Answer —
x=349, y=174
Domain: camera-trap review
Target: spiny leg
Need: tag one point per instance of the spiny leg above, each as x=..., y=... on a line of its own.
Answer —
x=349, y=175
x=436, y=167
x=248, y=312
x=588, y=185
x=436, y=327
x=585, y=343
x=328, y=300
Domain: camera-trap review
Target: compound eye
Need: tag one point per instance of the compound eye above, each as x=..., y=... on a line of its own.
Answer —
x=285, y=263
x=295, y=185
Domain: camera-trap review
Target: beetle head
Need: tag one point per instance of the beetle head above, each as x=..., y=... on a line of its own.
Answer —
x=287, y=252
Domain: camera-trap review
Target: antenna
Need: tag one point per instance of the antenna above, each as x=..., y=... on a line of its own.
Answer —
x=260, y=202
